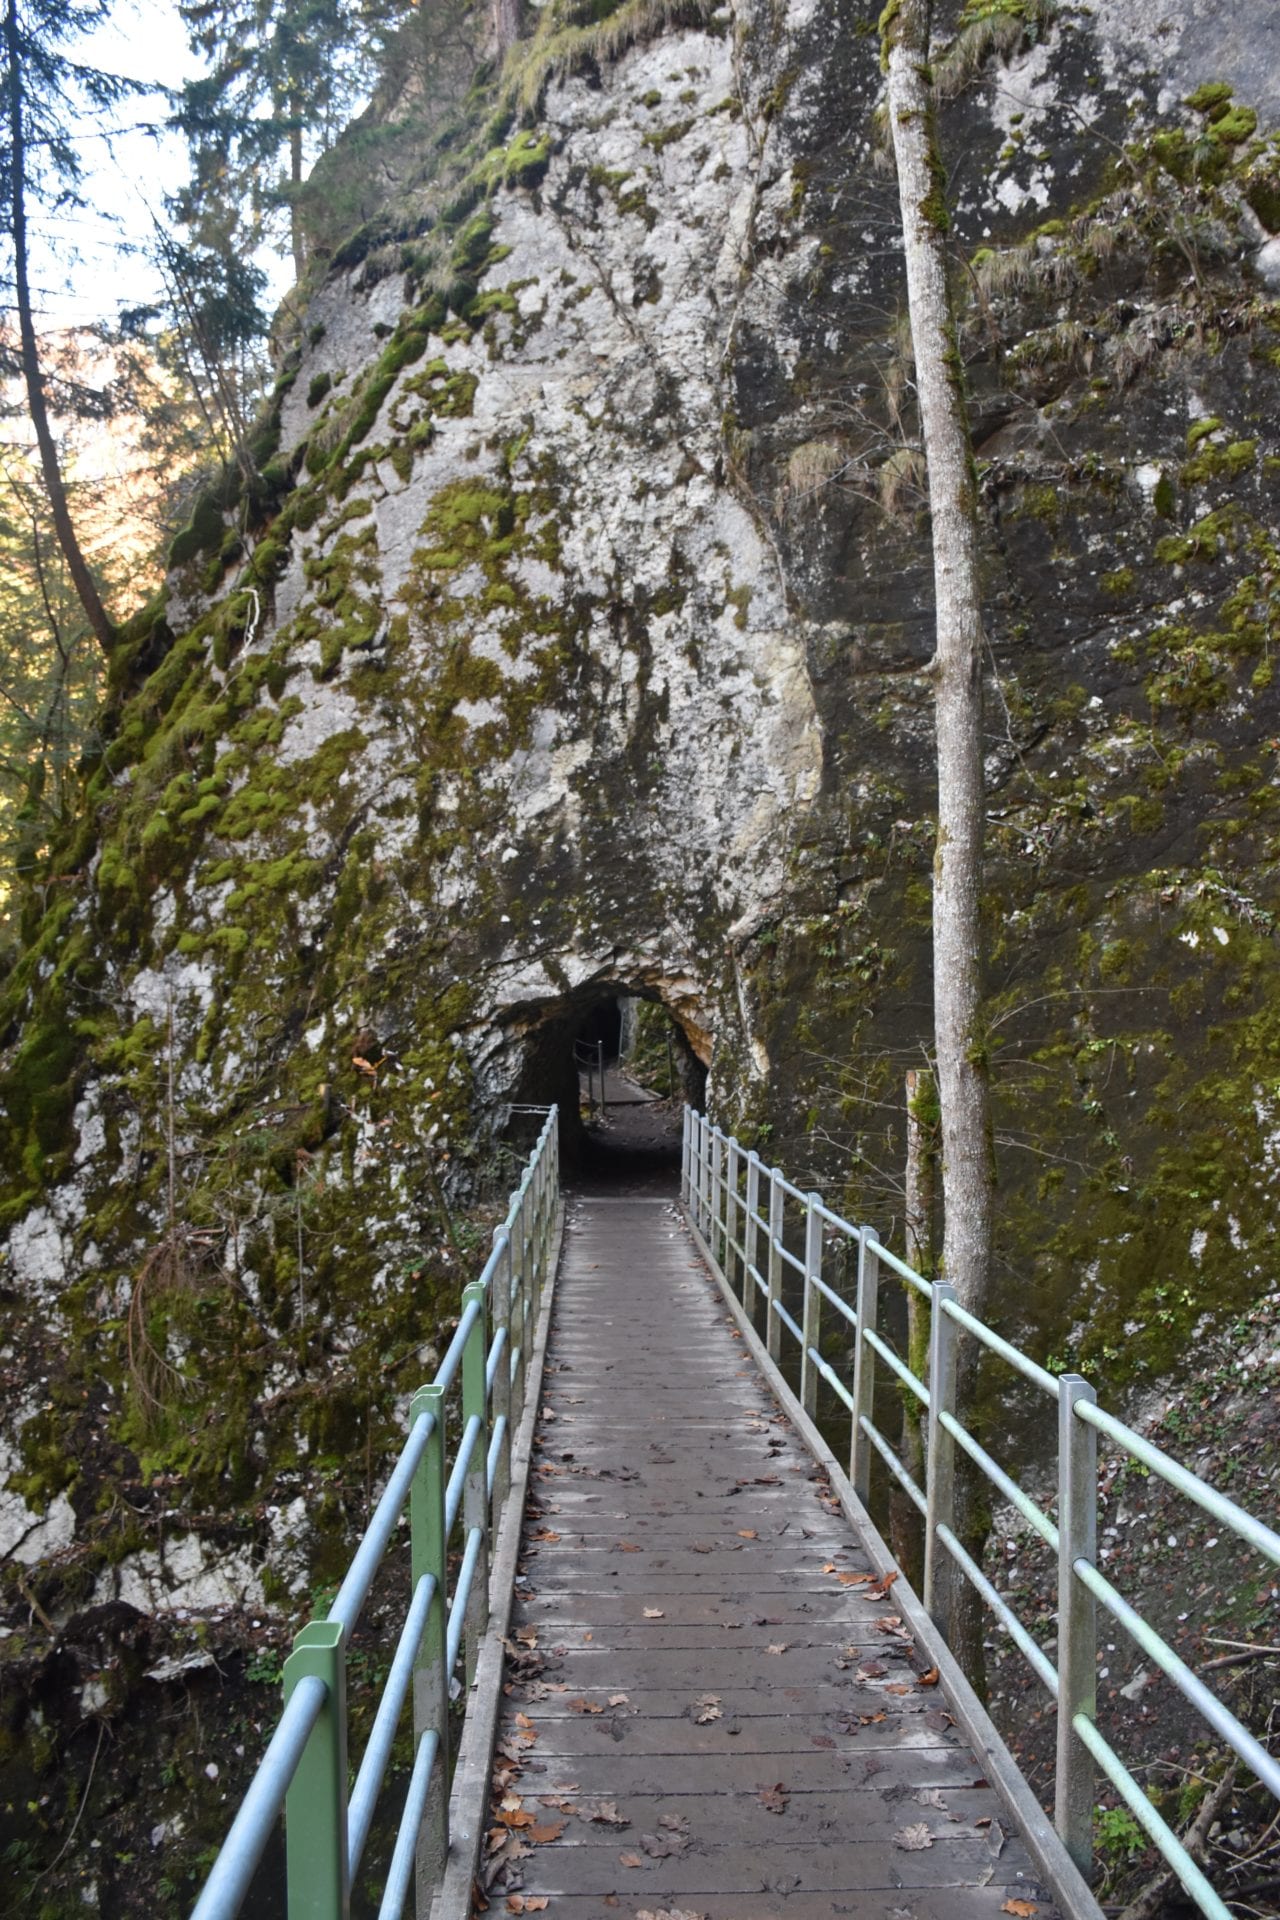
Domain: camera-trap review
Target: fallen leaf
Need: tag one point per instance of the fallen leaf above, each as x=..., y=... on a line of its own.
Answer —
x=774, y=1799
x=619, y=1700
x=629, y=1546
x=674, y=1822
x=1023, y=1908
x=630, y=1860
x=663, y=1846
x=779, y=1646
x=913, y=1839
x=668, y=1913
x=543, y=1836
x=604, y=1812
x=705, y=1715
x=929, y=1679
x=545, y=1533
x=930, y=1797
x=897, y=1689
x=527, y=1636
x=526, y=1902
x=518, y=1819
x=579, y=1705
x=747, y=1533
x=882, y=1586
x=654, y=1613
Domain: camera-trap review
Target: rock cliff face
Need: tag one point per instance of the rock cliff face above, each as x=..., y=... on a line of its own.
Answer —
x=571, y=636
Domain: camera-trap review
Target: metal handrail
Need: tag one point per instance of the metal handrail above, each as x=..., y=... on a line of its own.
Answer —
x=729, y=1190
x=303, y=1772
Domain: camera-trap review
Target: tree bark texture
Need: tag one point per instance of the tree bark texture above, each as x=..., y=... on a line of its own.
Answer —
x=83, y=581
x=967, y=1173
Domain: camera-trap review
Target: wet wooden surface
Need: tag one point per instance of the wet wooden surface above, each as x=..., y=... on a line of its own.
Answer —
x=709, y=1711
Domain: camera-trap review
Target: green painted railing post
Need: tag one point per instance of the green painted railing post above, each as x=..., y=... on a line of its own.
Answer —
x=316, y=1803
x=1077, y=1619
x=733, y=1153
x=502, y=1394
x=940, y=1459
x=864, y=1364
x=777, y=1199
x=429, y=1553
x=475, y=1495
x=811, y=1322
x=716, y=1187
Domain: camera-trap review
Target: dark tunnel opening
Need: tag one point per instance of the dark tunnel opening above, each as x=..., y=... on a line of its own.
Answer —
x=630, y=1137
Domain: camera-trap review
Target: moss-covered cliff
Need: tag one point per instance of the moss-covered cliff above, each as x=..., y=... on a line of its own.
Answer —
x=573, y=637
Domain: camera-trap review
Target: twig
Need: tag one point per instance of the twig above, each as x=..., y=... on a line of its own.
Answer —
x=1239, y=1659
x=84, y=1801
x=1241, y=1646
x=1146, y=1904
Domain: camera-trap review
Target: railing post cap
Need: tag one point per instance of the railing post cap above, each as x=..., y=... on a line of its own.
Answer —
x=425, y=1400
x=319, y=1635
x=473, y=1292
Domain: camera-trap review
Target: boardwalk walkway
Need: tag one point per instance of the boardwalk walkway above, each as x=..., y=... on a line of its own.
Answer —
x=712, y=1710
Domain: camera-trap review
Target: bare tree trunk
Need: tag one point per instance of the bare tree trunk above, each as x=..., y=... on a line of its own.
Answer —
x=86, y=588
x=296, y=235
x=506, y=20
x=904, y=1521
x=967, y=1174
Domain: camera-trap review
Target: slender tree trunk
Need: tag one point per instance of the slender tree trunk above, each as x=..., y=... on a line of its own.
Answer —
x=86, y=588
x=967, y=1174
x=922, y=1135
x=296, y=234
x=506, y=20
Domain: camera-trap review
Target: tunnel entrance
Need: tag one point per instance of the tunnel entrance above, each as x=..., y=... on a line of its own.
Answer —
x=620, y=1066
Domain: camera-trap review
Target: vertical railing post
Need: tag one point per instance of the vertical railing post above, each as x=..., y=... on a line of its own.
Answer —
x=501, y=1401
x=428, y=1559
x=733, y=1154
x=600, y=1062
x=1077, y=1623
x=316, y=1803
x=864, y=1363
x=751, y=1237
x=686, y=1157
x=714, y=1238
x=773, y=1331
x=475, y=1494
x=811, y=1317
x=940, y=1474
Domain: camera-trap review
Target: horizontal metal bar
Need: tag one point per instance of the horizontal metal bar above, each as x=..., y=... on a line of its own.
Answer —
x=457, y=1479
x=495, y=1452
x=1012, y=1492
x=832, y=1379
x=754, y=1273
x=1018, y=1361
x=899, y=1367
x=837, y=1221
x=400, y=1873
x=1189, y=1684
x=515, y=1360
x=829, y=1293
x=787, y=1187
x=1034, y=1655
x=495, y=1354
x=458, y=1604
x=790, y=1258
x=1156, y=1829
x=785, y=1318
x=1225, y=1511
x=354, y=1591
x=893, y=1463
x=453, y=1358
x=364, y=1795
x=900, y=1267
x=236, y=1864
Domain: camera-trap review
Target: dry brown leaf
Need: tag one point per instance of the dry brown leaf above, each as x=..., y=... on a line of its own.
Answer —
x=668, y=1913
x=747, y=1533
x=1023, y=1908
x=897, y=1689
x=705, y=1715
x=579, y=1705
x=654, y=1613
x=630, y=1860
x=619, y=1700
x=526, y=1902
x=545, y=1533
x=673, y=1822
x=913, y=1839
x=773, y=1799
x=882, y=1586
x=542, y=1836
x=778, y=1646
x=629, y=1546
x=604, y=1812
x=527, y=1636
x=929, y=1678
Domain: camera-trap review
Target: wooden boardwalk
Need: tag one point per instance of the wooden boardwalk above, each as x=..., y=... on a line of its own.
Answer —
x=711, y=1708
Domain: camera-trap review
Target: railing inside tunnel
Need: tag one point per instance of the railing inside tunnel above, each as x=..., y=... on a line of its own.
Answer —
x=454, y=1474
x=772, y=1244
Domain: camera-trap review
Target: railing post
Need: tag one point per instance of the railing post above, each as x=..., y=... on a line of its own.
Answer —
x=773, y=1331
x=940, y=1465
x=475, y=1496
x=428, y=1559
x=864, y=1363
x=686, y=1157
x=811, y=1318
x=717, y=1186
x=1077, y=1623
x=316, y=1803
x=733, y=1153
x=751, y=1236
x=600, y=1063
x=502, y=1386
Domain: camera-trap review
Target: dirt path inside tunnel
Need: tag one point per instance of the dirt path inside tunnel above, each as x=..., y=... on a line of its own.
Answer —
x=633, y=1146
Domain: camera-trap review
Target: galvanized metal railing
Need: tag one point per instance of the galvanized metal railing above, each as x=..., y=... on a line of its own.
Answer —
x=304, y=1769
x=745, y=1213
